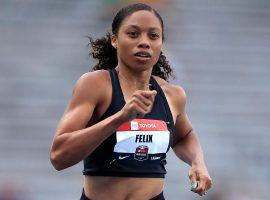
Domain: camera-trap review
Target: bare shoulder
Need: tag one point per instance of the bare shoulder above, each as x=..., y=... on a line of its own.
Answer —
x=97, y=77
x=174, y=92
x=92, y=83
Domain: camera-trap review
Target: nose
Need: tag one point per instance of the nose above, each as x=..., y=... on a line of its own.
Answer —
x=144, y=42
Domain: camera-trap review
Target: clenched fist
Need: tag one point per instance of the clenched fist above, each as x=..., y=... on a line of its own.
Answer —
x=200, y=180
x=140, y=104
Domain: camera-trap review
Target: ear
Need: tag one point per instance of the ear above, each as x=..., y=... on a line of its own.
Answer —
x=114, y=41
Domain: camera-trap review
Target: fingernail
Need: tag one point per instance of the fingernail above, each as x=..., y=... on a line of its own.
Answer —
x=193, y=186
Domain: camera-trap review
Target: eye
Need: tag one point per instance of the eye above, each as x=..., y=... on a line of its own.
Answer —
x=133, y=34
x=154, y=36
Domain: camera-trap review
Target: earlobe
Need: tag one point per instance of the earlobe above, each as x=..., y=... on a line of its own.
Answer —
x=113, y=41
x=114, y=45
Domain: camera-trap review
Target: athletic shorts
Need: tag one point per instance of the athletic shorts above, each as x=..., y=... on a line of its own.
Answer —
x=158, y=197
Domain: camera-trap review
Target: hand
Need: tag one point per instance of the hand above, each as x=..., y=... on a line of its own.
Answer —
x=199, y=179
x=140, y=104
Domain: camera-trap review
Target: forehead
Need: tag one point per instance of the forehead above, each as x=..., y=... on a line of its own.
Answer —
x=142, y=18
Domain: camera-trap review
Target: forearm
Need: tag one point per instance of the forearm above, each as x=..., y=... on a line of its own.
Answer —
x=72, y=147
x=189, y=149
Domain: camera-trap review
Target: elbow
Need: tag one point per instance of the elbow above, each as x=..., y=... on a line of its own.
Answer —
x=57, y=155
x=56, y=161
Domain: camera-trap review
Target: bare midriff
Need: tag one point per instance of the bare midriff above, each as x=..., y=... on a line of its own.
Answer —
x=122, y=188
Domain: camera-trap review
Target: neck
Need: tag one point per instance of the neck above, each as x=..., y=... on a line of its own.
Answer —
x=135, y=80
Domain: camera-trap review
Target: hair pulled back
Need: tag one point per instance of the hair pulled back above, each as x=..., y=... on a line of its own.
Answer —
x=106, y=54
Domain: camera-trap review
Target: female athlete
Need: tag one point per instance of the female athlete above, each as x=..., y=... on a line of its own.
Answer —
x=124, y=116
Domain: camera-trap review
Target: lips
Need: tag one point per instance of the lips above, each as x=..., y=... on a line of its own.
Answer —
x=142, y=56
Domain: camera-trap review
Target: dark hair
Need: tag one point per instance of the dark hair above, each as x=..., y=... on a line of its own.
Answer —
x=106, y=54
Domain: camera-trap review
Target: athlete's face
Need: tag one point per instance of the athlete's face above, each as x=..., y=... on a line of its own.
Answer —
x=139, y=41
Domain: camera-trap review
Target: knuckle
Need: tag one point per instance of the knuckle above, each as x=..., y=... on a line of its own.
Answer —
x=190, y=175
x=138, y=92
x=210, y=180
x=150, y=102
x=135, y=94
x=136, y=101
x=203, y=178
x=132, y=104
x=210, y=184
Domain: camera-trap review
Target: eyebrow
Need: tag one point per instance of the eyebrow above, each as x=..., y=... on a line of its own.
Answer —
x=137, y=27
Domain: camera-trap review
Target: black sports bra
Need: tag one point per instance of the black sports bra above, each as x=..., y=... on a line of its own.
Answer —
x=138, y=148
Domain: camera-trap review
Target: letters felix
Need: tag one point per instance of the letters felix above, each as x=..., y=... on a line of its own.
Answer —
x=144, y=138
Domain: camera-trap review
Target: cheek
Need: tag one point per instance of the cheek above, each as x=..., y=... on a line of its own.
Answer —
x=157, y=50
x=124, y=47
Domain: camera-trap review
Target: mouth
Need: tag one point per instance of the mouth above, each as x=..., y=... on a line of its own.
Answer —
x=143, y=56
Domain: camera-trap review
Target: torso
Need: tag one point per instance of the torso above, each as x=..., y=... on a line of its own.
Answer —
x=100, y=187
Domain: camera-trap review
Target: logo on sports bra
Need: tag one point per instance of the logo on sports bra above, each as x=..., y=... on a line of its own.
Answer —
x=141, y=153
x=122, y=157
x=155, y=157
x=134, y=126
x=148, y=126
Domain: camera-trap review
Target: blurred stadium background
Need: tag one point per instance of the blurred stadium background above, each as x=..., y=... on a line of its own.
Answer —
x=220, y=51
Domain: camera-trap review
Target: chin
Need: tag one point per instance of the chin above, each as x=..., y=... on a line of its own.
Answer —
x=141, y=67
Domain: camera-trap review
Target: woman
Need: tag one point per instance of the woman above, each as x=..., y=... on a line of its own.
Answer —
x=124, y=116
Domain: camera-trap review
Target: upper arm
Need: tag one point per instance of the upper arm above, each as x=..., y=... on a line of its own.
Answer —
x=83, y=102
x=182, y=123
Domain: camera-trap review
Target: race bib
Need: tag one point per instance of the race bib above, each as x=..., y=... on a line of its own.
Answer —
x=142, y=139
